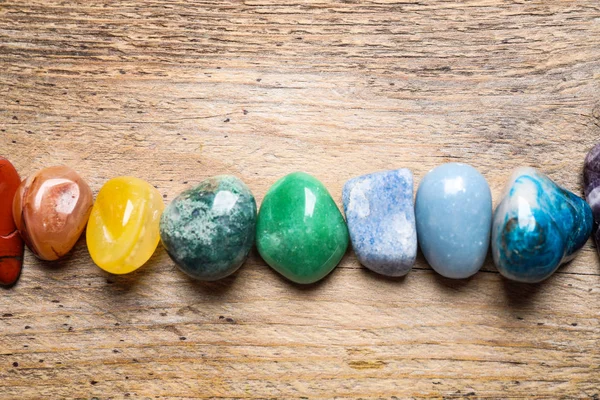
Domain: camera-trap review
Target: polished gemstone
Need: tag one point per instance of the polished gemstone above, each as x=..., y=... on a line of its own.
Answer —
x=591, y=180
x=300, y=231
x=381, y=221
x=209, y=230
x=122, y=233
x=51, y=208
x=537, y=226
x=11, y=244
x=453, y=209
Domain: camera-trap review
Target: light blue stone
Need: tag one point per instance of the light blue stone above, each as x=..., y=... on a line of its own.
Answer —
x=537, y=227
x=454, y=217
x=381, y=221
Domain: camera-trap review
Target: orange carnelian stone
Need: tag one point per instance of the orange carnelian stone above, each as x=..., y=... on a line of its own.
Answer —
x=51, y=209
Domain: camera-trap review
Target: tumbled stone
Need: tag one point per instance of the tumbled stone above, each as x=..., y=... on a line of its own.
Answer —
x=51, y=209
x=300, y=231
x=453, y=210
x=537, y=227
x=11, y=244
x=209, y=230
x=591, y=180
x=381, y=221
x=123, y=230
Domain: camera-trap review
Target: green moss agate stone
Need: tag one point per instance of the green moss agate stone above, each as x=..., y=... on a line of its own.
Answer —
x=300, y=231
x=209, y=230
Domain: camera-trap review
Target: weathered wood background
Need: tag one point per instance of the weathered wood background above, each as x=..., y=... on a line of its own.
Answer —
x=174, y=91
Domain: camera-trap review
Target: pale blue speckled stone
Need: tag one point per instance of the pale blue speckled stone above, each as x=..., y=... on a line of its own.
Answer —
x=454, y=218
x=381, y=221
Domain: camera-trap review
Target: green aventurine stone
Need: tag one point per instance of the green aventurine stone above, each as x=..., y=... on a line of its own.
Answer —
x=209, y=230
x=300, y=231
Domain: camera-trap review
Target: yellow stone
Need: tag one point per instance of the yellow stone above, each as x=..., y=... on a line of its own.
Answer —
x=123, y=230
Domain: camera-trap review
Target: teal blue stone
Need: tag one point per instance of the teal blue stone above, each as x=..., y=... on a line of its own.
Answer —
x=538, y=226
x=453, y=210
x=209, y=230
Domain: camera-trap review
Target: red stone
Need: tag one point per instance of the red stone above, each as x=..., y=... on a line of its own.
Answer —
x=11, y=244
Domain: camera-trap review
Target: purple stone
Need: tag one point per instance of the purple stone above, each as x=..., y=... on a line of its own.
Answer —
x=591, y=181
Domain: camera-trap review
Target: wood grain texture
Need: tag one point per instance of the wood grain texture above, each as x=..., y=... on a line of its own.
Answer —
x=174, y=91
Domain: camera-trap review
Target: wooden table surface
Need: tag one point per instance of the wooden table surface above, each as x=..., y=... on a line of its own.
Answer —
x=174, y=91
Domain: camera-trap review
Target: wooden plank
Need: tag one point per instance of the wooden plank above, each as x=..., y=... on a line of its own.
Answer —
x=176, y=91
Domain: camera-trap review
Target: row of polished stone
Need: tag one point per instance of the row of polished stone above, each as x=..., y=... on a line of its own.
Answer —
x=209, y=230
